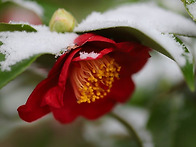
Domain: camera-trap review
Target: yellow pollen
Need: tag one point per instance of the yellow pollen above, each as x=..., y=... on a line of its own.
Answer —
x=93, y=79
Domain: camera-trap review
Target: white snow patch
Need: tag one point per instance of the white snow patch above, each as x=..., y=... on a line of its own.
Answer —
x=84, y=55
x=153, y=21
x=175, y=5
x=31, y=5
x=18, y=46
x=192, y=9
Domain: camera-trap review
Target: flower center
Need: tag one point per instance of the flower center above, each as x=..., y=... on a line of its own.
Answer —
x=93, y=79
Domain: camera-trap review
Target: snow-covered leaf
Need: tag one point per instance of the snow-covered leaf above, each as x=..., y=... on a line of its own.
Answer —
x=150, y=25
x=7, y=76
x=190, y=6
x=22, y=44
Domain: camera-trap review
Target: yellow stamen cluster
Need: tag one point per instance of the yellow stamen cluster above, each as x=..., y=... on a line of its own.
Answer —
x=93, y=79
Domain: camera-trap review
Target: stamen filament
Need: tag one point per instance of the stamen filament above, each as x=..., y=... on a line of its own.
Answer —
x=93, y=79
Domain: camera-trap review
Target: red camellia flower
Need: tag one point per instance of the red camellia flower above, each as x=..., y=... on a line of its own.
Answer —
x=88, y=81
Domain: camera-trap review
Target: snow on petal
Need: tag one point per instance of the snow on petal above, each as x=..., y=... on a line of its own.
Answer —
x=84, y=55
x=18, y=46
x=153, y=21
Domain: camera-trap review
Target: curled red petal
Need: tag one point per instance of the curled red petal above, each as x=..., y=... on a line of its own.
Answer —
x=69, y=111
x=56, y=69
x=54, y=96
x=30, y=115
x=90, y=37
x=131, y=56
x=35, y=106
x=33, y=110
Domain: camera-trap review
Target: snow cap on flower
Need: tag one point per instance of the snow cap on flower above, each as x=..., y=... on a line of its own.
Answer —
x=62, y=21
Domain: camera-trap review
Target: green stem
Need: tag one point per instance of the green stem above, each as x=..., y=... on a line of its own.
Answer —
x=129, y=128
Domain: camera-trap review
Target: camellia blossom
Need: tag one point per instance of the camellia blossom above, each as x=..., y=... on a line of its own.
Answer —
x=87, y=81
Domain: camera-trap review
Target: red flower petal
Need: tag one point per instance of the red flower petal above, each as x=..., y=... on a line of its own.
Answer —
x=72, y=109
x=48, y=92
x=90, y=37
x=122, y=89
x=32, y=110
x=98, y=108
x=131, y=56
x=54, y=96
x=68, y=112
x=56, y=69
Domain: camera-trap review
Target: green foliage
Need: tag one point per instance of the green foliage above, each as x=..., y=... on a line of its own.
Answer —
x=172, y=120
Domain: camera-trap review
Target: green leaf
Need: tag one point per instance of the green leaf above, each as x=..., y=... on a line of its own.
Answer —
x=16, y=27
x=162, y=123
x=129, y=33
x=190, y=6
x=18, y=68
x=7, y=76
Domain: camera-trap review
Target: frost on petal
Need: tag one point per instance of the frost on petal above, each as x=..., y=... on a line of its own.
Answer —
x=18, y=46
x=84, y=55
x=154, y=22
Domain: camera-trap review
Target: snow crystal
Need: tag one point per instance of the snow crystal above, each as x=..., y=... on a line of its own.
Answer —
x=192, y=9
x=84, y=55
x=149, y=19
x=32, y=5
x=18, y=46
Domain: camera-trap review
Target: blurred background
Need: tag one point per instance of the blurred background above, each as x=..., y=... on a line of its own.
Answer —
x=162, y=110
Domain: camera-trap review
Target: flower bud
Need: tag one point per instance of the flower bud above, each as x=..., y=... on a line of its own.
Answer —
x=62, y=21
